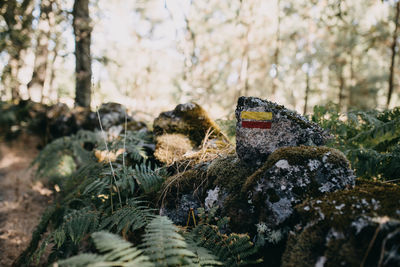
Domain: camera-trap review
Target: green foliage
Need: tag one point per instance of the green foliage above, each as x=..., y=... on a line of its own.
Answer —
x=369, y=139
x=134, y=215
x=233, y=249
x=60, y=158
x=149, y=179
x=164, y=245
x=114, y=252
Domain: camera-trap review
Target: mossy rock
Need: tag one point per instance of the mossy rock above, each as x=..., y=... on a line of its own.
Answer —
x=357, y=227
x=228, y=174
x=292, y=174
x=171, y=148
x=188, y=119
x=216, y=183
x=182, y=192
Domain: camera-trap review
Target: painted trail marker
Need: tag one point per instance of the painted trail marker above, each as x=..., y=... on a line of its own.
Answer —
x=255, y=119
x=263, y=127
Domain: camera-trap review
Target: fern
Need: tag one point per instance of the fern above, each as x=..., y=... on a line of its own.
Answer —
x=133, y=143
x=115, y=252
x=131, y=217
x=203, y=257
x=148, y=179
x=370, y=140
x=77, y=224
x=233, y=249
x=164, y=245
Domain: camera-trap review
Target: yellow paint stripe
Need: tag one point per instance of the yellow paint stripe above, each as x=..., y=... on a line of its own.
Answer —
x=256, y=115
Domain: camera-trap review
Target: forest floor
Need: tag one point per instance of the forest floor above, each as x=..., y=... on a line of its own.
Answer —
x=22, y=199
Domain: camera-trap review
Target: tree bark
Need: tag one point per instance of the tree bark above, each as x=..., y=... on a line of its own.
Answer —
x=342, y=85
x=393, y=56
x=83, y=70
x=41, y=55
x=277, y=51
x=307, y=92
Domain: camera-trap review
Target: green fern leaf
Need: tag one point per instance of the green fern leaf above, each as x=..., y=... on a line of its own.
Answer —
x=115, y=252
x=163, y=244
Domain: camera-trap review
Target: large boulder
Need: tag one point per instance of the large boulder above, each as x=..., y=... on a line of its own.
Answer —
x=263, y=127
x=291, y=175
x=358, y=227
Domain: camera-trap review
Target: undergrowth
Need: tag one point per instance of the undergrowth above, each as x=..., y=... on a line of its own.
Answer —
x=369, y=139
x=103, y=214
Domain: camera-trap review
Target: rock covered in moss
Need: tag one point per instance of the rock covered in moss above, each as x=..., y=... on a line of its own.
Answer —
x=216, y=184
x=184, y=191
x=188, y=119
x=358, y=227
x=290, y=175
x=263, y=127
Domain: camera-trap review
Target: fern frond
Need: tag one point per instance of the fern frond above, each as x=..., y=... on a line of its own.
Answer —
x=203, y=256
x=131, y=217
x=76, y=225
x=164, y=245
x=233, y=250
x=115, y=252
x=148, y=179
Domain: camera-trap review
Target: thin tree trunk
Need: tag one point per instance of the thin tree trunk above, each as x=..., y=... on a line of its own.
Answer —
x=393, y=57
x=244, y=69
x=342, y=85
x=83, y=71
x=307, y=91
x=41, y=56
x=277, y=51
x=351, y=101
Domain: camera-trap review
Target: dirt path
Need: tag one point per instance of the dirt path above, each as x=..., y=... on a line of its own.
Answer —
x=22, y=200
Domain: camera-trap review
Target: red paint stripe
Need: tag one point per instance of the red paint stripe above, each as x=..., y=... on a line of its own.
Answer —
x=257, y=124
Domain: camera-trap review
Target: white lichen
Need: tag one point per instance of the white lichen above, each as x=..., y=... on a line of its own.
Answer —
x=282, y=164
x=313, y=164
x=212, y=198
x=320, y=262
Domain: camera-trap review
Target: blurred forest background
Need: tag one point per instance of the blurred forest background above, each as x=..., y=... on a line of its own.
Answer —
x=150, y=55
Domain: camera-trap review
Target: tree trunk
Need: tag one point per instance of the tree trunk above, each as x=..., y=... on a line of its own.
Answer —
x=41, y=55
x=277, y=51
x=83, y=71
x=393, y=57
x=342, y=85
x=307, y=91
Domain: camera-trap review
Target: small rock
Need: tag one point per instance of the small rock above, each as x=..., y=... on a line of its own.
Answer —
x=263, y=127
x=112, y=114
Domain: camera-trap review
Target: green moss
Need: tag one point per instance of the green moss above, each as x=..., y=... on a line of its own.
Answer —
x=299, y=155
x=187, y=119
x=304, y=247
x=229, y=174
x=387, y=195
x=368, y=199
x=194, y=181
